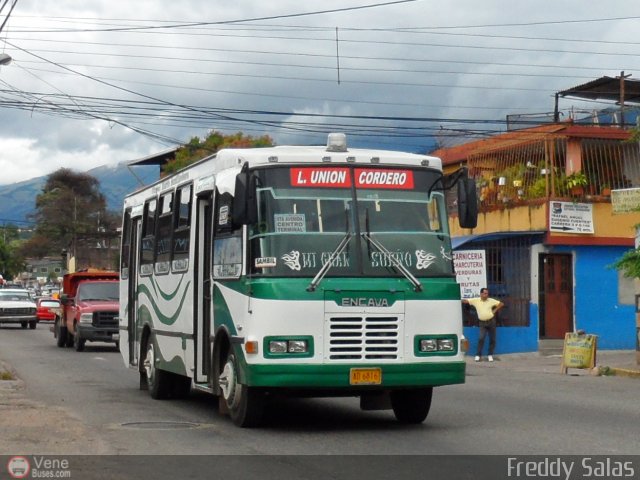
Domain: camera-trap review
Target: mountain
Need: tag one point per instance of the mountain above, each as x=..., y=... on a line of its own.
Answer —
x=17, y=200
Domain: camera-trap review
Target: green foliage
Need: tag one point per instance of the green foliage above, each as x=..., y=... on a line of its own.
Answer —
x=11, y=262
x=70, y=207
x=197, y=149
x=629, y=264
x=576, y=179
x=538, y=189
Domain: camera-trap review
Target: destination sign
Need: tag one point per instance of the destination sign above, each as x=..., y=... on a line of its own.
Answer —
x=340, y=178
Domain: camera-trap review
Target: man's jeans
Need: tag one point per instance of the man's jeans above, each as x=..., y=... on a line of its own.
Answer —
x=487, y=327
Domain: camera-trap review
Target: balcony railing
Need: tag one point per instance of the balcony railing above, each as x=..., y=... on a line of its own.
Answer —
x=536, y=171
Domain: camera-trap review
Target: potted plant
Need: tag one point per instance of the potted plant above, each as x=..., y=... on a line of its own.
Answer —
x=605, y=190
x=576, y=182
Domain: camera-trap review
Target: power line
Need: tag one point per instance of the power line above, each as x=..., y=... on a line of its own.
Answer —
x=228, y=22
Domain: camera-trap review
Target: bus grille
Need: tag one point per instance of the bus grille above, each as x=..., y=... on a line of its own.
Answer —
x=364, y=338
x=105, y=319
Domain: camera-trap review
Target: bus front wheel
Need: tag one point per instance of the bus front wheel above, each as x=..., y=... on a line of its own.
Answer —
x=245, y=404
x=158, y=381
x=411, y=406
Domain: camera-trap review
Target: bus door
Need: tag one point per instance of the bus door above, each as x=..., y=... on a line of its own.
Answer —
x=132, y=291
x=202, y=319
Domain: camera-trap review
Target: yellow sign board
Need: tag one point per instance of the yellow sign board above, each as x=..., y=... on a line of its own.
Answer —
x=625, y=200
x=579, y=351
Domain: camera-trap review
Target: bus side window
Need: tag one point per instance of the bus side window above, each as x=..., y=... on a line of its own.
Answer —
x=227, y=242
x=223, y=224
x=125, y=250
x=148, y=243
x=164, y=233
x=181, y=233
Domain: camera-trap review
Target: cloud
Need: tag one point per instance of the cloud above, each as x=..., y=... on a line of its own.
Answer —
x=83, y=91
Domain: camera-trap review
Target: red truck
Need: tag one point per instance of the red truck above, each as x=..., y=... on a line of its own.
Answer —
x=88, y=309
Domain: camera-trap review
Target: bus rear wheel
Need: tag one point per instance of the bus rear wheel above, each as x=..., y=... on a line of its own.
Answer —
x=411, y=406
x=245, y=404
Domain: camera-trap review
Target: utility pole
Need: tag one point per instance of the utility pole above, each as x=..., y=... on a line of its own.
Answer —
x=622, y=78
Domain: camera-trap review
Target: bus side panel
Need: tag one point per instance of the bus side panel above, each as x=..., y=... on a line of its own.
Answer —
x=165, y=306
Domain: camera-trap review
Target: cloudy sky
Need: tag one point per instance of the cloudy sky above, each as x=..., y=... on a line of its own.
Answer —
x=101, y=82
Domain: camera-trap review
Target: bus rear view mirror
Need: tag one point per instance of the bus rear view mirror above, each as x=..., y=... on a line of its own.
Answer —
x=467, y=202
x=244, y=199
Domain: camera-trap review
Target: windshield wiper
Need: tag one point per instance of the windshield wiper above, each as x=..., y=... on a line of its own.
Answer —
x=327, y=265
x=417, y=286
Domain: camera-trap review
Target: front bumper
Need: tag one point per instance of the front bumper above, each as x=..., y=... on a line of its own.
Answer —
x=394, y=376
x=98, y=334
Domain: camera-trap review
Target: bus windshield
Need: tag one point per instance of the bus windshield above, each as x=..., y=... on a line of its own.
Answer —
x=364, y=221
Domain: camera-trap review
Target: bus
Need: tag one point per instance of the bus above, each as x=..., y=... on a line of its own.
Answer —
x=289, y=270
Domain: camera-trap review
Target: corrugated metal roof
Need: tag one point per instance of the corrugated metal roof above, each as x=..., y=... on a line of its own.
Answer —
x=606, y=88
x=159, y=158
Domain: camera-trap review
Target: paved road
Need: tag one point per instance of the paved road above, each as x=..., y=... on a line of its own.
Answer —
x=89, y=402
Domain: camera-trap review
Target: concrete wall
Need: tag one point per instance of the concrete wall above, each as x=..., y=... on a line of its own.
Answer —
x=597, y=306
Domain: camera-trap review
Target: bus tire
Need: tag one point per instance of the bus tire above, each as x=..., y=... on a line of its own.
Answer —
x=245, y=404
x=158, y=381
x=181, y=386
x=24, y=324
x=411, y=406
x=60, y=334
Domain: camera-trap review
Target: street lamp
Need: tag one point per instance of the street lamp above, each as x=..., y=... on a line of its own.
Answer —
x=5, y=59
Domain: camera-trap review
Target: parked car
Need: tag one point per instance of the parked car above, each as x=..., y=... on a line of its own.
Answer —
x=18, y=306
x=43, y=306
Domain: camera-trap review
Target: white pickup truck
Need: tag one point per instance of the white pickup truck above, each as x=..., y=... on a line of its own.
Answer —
x=18, y=306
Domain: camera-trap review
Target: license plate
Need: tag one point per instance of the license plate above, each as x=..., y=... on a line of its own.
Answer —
x=365, y=376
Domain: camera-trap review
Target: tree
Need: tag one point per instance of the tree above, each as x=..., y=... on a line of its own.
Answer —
x=196, y=149
x=629, y=263
x=11, y=262
x=70, y=212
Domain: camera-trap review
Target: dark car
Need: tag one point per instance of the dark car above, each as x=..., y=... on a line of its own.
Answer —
x=44, y=305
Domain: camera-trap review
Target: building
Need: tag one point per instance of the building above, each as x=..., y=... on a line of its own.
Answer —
x=42, y=271
x=550, y=233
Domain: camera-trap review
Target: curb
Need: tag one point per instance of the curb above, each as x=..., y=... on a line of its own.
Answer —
x=624, y=372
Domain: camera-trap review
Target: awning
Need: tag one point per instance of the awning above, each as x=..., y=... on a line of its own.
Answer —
x=457, y=242
x=159, y=158
x=606, y=88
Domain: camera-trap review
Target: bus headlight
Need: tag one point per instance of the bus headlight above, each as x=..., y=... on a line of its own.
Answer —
x=428, y=345
x=297, y=346
x=282, y=347
x=445, y=345
x=278, y=346
x=439, y=344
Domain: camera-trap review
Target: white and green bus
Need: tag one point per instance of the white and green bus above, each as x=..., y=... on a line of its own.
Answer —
x=321, y=271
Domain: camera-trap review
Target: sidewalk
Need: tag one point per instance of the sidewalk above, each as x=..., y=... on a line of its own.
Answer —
x=608, y=362
x=31, y=426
